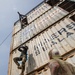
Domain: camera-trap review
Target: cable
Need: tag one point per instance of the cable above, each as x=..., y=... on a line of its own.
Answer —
x=5, y=38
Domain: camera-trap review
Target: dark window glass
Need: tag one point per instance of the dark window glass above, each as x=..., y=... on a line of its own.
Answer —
x=52, y=2
x=73, y=17
x=68, y=5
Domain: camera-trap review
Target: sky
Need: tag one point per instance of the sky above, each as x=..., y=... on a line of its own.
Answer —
x=8, y=15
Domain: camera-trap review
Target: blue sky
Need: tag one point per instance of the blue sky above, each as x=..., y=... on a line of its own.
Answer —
x=8, y=15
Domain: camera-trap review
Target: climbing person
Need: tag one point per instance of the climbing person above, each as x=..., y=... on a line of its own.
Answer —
x=58, y=66
x=23, y=58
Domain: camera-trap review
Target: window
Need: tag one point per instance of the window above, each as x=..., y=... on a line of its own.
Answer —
x=52, y=2
x=68, y=5
x=73, y=17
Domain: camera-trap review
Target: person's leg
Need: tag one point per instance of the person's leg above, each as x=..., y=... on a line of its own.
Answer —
x=23, y=65
x=23, y=60
x=16, y=59
x=23, y=69
x=54, y=66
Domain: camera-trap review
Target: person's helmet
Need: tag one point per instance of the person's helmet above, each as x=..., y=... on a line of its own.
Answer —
x=26, y=47
x=54, y=54
x=23, y=48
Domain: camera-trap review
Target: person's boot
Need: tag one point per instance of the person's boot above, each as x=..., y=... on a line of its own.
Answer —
x=19, y=67
x=22, y=74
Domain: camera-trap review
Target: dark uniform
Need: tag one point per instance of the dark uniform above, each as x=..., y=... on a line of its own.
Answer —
x=23, y=58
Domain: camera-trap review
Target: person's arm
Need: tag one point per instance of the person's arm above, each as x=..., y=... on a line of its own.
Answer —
x=54, y=67
x=71, y=67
